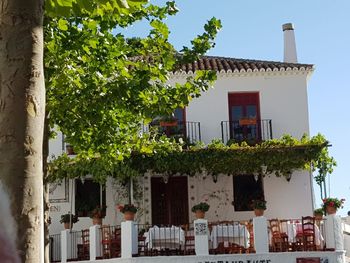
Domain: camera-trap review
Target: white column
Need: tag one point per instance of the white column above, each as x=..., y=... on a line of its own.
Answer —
x=334, y=232
x=201, y=233
x=66, y=245
x=261, y=238
x=128, y=239
x=95, y=242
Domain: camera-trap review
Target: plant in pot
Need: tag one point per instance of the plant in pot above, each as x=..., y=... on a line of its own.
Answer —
x=331, y=205
x=200, y=209
x=259, y=206
x=97, y=214
x=129, y=211
x=68, y=220
x=318, y=213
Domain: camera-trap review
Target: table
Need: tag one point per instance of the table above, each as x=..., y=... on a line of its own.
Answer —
x=236, y=233
x=164, y=237
x=292, y=229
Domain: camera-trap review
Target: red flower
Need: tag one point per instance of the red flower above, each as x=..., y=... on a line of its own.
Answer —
x=331, y=204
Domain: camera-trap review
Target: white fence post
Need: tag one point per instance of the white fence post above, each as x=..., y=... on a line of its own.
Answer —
x=201, y=233
x=261, y=238
x=128, y=239
x=334, y=232
x=66, y=245
x=95, y=242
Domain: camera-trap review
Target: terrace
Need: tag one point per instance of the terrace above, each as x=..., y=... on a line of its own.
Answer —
x=228, y=241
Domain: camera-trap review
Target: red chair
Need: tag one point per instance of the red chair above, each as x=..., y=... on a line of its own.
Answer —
x=84, y=249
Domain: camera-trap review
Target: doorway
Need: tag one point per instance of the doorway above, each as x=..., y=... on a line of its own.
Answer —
x=169, y=200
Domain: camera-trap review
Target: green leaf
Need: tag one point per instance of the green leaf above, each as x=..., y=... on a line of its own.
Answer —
x=63, y=24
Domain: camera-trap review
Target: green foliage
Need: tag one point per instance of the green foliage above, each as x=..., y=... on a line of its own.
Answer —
x=67, y=218
x=98, y=212
x=127, y=208
x=333, y=202
x=201, y=206
x=319, y=211
x=259, y=204
x=281, y=156
x=101, y=86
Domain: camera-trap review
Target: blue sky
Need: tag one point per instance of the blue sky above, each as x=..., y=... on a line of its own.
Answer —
x=253, y=29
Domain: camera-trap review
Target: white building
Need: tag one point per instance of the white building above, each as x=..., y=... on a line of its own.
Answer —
x=252, y=100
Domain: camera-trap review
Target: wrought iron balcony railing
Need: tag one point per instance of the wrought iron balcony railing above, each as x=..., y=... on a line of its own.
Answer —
x=251, y=131
x=189, y=131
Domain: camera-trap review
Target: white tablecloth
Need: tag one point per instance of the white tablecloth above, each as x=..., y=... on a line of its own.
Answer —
x=237, y=234
x=294, y=228
x=164, y=237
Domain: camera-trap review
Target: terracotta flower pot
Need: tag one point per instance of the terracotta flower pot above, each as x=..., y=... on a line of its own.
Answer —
x=67, y=225
x=129, y=216
x=200, y=214
x=97, y=221
x=259, y=212
x=331, y=210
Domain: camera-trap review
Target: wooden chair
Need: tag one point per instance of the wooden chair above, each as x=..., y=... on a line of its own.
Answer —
x=189, y=246
x=234, y=248
x=279, y=240
x=250, y=249
x=142, y=246
x=106, y=240
x=111, y=241
x=308, y=227
x=84, y=250
x=117, y=242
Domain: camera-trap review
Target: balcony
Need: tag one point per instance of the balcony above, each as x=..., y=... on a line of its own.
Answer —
x=291, y=239
x=251, y=131
x=189, y=131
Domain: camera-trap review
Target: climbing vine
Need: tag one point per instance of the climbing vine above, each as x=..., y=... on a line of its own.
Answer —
x=279, y=156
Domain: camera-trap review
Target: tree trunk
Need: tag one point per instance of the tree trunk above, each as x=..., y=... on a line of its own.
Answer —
x=46, y=192
x=22, y=107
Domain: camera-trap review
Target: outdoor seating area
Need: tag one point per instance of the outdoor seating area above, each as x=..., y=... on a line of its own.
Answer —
x=226, y=237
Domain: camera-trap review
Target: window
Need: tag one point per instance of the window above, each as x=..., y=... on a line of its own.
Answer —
x=246, y=189
x=88, y=195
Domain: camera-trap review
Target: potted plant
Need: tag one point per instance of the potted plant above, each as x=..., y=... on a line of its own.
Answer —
x=330, y=205
x=200, y=209
x=68, y=220
x=318, y=213
x=129, y=211
x=97, y=214
x=259, y=206
x=70, y=149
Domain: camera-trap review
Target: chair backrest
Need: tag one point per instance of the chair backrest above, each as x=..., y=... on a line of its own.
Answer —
x=275, y=227
x=106, y=232
x=85, y=236
x=308, y=225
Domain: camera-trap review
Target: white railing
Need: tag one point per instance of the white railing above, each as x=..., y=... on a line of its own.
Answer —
x=203, y=238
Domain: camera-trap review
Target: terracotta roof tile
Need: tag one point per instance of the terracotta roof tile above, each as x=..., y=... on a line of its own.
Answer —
x=232, y=64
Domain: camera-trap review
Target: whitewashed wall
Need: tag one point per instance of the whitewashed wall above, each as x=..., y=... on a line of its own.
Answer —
x=283, y=99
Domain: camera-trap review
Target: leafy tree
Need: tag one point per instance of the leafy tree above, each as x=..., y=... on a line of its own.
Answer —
x=100, y=67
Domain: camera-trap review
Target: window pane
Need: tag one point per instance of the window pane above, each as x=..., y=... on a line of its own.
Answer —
x=246, y=189
x=88, y=196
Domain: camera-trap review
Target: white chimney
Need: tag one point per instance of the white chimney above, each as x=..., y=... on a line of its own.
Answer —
x=290, y=49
